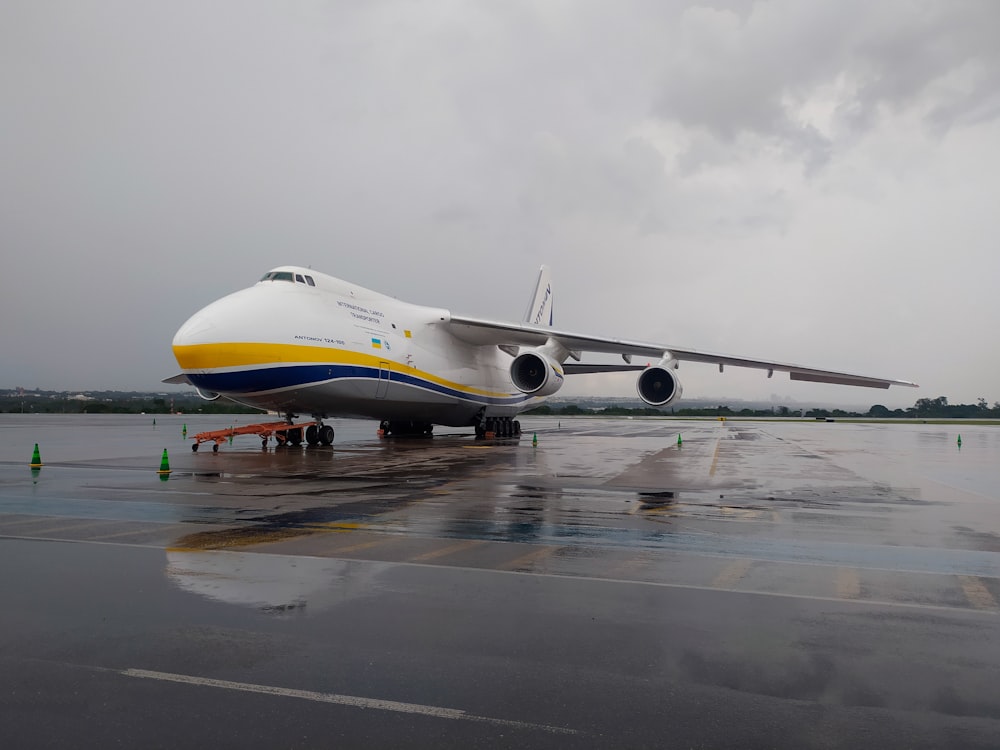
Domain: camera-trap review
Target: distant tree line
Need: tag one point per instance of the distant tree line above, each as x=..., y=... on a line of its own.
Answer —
x=111, y=403
x=924, y=408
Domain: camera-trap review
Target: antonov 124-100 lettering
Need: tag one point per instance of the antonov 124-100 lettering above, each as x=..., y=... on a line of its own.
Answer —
x=339, y=350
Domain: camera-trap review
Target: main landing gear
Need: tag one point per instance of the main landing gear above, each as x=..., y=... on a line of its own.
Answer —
x=404, y=428
x=498, y=427
x=319, y=434
x=315, y=433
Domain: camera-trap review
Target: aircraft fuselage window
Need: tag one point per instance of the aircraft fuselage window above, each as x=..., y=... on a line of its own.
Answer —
x=278, y=276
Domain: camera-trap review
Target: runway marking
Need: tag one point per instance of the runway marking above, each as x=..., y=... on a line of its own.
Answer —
x=978, y=595
x=732, y=573
x=528, y=560
x=715, y=459
x=449, y=550
x=73, y=527
x=775, y=516
x=947, y=608
x=33, y=519
x=364, y=545
x=165, y=529
x=848, y=583
x=353, y=701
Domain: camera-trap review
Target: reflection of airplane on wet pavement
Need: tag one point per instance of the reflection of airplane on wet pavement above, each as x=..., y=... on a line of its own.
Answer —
x=301, y=342
x=271, y=583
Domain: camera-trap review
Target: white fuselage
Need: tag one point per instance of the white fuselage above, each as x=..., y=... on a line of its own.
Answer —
x=303, y=342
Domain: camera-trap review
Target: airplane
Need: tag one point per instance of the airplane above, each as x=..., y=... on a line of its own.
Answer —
x=302, y=342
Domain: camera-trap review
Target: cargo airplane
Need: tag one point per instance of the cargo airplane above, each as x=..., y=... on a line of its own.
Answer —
x=301, y=342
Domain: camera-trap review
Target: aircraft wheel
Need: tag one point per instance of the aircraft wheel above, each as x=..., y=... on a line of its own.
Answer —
x=326, y=435
x=295, y=437
x=195, y=447
x=215, y=448
x=313, y=434
x=517, y=428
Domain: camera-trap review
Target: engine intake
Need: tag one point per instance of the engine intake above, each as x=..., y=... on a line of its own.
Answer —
x=536, y=373
x=658, y=386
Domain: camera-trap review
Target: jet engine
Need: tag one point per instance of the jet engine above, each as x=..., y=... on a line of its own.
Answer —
x=536, y=373
x=658, y=385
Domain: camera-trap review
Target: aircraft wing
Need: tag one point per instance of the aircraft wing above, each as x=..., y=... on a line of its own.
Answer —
x=180, y=379
x=499, y=333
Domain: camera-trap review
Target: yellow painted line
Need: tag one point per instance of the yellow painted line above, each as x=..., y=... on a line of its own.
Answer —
x=33, y=519
x=978, y=595
x=477, y=447
x=363, y=545
x=338, y=526
x=715, y=459
x=529, y=559
x=848, y=583
x=163, y=529
x=71, y=527
x=449, y=550
x=732, y=573
x=632, y=565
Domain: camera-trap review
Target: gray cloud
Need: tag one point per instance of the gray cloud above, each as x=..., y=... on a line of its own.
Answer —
x=719, y=174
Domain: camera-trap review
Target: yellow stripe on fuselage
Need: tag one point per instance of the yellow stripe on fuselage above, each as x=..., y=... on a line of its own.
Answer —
x=227, y=355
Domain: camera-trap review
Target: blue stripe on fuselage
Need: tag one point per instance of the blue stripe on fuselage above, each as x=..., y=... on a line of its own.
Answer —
x=246, y=382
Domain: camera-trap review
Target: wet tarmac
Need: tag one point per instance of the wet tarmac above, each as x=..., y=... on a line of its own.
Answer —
x=764, y=584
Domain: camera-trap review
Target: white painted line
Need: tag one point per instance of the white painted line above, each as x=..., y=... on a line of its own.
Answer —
x=353, y=701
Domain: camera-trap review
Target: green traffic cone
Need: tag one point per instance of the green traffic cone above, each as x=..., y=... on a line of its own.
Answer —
x=184, y=430
x=534, y=440
x=36, y=459
x=679, y=441
x=164, y=463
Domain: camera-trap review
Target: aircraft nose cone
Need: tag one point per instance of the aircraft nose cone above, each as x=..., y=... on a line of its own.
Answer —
x=197, y=329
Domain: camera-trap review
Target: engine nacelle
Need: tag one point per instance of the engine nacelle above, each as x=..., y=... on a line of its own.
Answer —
x=536, y=373
x=658, y=386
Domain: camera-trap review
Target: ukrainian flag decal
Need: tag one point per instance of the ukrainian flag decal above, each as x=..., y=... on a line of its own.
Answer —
x=376, y=343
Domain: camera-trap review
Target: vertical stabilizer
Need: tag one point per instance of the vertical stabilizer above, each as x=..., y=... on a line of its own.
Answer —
x=539, y=311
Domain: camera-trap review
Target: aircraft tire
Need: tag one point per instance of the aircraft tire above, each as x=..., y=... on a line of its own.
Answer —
x=312, y=434
x=195, y=447
x=295, y=437
x=325, y=435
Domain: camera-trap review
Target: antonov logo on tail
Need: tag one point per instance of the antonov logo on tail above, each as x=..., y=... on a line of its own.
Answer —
x=545, y=302
x=472, y=372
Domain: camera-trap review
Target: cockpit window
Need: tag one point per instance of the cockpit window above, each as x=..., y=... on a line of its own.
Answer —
x=277, y=276
x=309, y=281
x=299, y=279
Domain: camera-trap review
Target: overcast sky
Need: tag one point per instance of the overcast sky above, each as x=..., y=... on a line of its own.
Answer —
x=813, y=182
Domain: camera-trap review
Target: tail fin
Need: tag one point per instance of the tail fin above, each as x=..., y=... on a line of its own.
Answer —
x=539, y=310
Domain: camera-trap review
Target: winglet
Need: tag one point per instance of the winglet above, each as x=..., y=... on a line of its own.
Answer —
x=539, y=312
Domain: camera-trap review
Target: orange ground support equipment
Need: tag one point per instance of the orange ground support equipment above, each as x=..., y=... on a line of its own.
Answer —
x=282, y=432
